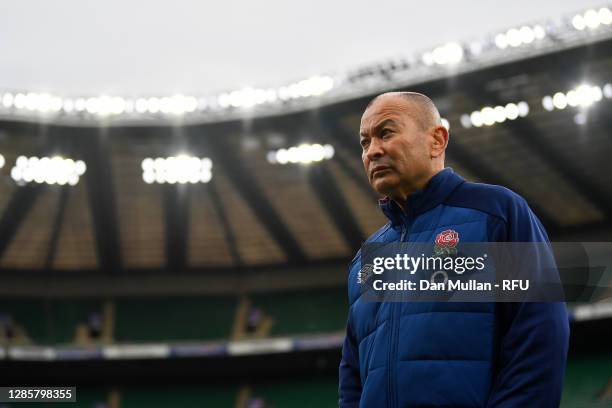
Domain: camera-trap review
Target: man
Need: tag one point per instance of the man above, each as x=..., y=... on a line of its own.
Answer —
x=444, y=354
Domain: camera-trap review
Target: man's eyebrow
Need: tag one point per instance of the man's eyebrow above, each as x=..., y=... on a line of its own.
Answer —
x=386, y=122
x=379, y=126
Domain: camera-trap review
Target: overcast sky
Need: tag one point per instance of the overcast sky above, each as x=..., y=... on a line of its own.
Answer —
x=129, y=48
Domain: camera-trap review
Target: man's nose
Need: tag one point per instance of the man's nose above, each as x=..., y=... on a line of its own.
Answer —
x=375, y=149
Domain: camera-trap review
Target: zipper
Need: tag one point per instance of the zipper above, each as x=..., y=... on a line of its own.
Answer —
x=394, y=327
x=391, y=398
x=403, y=234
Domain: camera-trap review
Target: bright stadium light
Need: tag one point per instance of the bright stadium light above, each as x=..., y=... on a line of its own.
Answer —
x=490, y=115
x=20, y=101
x=562, y=33
x=559, y=100
x=2, y=161
x=153, y=105
x=449, y=53
x=56, y=104
x=271, y=157
x=523, y=109
x=180, y=169
x=302, y=154
x=250, y=97
x=141, y=105
x=171, y=105
x=476, y=118
x=7, y=100
x=527, y=35
x=501, y=41
x=189, y=103
x=244, y=98
x=106, y=105
x=92, y=105
x=547, y=103
x=49, y=170
x=511, y=111
x=68, y=105
x=582, y=96
x=578, y=22
x=466, y=121
x=80, y=104
x=129, y=106
x=605, y=16
x=592, y=19
x=202, y=104
x=428, y=59
x=516, y=37
x=539, y=32
x=223, y=100
x=313, y=86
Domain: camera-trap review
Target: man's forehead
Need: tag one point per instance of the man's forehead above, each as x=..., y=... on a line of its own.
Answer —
x=385, y=107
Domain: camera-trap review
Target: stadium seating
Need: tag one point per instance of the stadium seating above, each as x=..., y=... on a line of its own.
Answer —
x=173, y=318
x=323, y=310
x=49, y=321
x=152, y=319
x=300, y=394
x=187, y=397
x=585, y=379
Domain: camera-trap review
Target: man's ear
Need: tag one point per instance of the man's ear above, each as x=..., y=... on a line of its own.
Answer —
x=439, y=141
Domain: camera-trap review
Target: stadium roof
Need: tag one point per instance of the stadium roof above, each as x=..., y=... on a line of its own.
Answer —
x=155, y=47
x=254, y=213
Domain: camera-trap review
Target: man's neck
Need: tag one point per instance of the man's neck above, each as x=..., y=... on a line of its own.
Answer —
x=402, y=198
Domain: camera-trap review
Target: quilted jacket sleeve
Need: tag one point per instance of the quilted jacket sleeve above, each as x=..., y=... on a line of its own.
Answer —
x=534, y=338
x=350, y=381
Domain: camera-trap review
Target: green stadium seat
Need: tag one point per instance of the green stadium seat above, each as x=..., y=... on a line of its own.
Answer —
x=173, y=318
x=300, y=394
x=585, y=378
x=184, y=397
x=314, y=311
x=50, y=321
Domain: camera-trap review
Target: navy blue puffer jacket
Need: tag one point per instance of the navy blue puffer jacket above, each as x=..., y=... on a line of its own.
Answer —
x=445, y=354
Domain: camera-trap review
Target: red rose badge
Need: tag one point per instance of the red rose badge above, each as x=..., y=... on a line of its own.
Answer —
x=446, y=241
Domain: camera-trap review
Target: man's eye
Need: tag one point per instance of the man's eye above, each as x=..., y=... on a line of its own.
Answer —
x=386, y=132
x=364, y=143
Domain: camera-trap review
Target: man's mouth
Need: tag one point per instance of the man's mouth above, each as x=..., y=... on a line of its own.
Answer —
x=378, y=170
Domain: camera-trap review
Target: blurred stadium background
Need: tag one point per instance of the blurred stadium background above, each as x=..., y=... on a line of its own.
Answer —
x=191, y=250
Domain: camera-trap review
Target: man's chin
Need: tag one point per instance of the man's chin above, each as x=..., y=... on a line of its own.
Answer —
x=382, y=187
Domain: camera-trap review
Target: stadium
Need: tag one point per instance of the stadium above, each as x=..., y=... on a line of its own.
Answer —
x=191, y=250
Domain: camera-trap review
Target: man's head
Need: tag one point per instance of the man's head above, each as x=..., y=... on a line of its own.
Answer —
x=403, y=143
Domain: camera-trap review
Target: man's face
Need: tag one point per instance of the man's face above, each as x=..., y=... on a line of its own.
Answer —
x=396, y=154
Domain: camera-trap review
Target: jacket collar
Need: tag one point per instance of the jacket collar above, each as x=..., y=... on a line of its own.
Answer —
x=438, y=188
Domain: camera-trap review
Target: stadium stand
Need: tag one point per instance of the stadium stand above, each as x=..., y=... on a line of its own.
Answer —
x=586, y=380
x=59, y=321
x=77, y=262
x=305, y=311
x=174, y=318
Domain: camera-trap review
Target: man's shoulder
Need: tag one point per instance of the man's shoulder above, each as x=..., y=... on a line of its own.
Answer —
x=495, y=200
x=378, y=236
